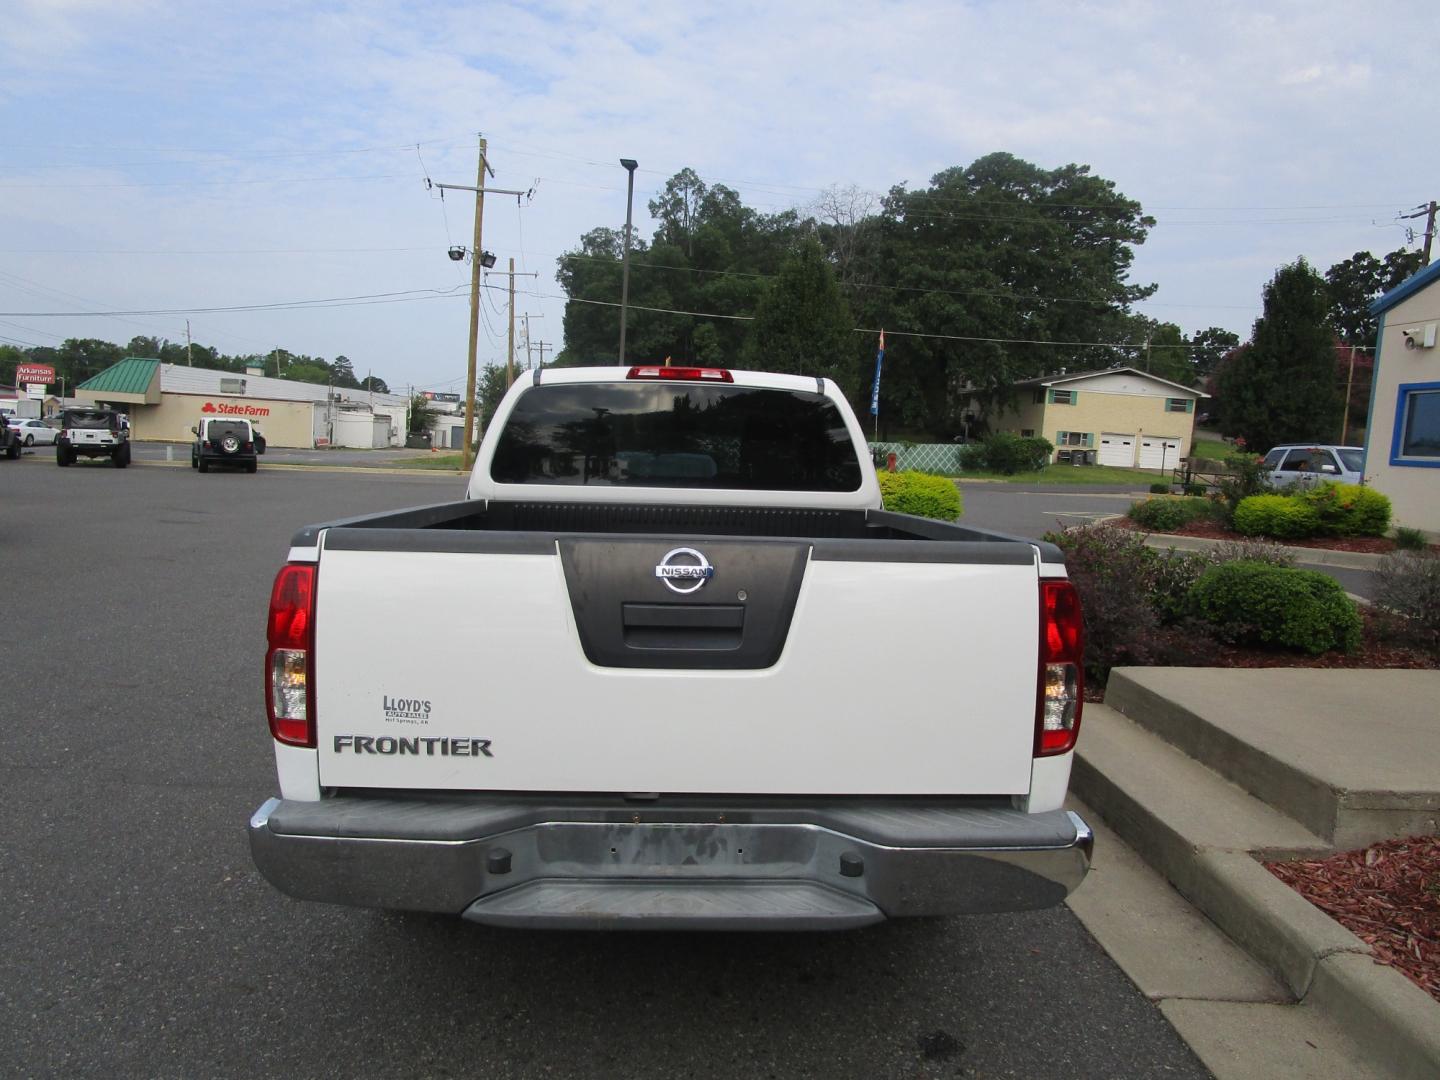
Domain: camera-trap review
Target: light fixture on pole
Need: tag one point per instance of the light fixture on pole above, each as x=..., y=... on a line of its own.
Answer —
x=459, y=253
x=630, y=165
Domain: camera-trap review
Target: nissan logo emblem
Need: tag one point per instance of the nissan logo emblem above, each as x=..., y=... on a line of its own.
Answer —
x=684, y=570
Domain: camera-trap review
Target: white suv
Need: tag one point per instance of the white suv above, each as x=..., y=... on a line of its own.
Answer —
x=1307, y=464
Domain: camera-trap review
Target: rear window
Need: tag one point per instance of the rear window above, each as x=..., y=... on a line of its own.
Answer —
x=218, y=429
x=1352, y=459
x=90, y=418
x=647, y=434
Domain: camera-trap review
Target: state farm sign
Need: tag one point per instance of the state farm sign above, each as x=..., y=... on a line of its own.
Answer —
x=229, y=408
x=34, y=373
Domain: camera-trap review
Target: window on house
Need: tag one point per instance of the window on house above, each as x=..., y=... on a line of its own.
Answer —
x=1417, y=425
x=1074, y=438
x=1063, y=397
x=1038, y=397
x=1179, y=404
x=1027, y=433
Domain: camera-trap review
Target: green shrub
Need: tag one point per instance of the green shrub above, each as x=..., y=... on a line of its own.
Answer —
x=1251, y=602
x=1194, y=489
x=1159, y=489
x=1007, y=454
x=1348, y=509
x=1286, y=517
x=1168, y=513
x=1407, y=539
x=1262, y=551
x=921, y=494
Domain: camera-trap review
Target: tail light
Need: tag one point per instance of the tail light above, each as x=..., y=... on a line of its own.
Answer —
x=682, y=374
x=1061, y=692
x=290, y=659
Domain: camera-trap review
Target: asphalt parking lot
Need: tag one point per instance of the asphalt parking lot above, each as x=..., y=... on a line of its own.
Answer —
x=138, y=940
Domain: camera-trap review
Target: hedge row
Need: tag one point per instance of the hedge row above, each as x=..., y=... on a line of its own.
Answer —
x=1326, y=510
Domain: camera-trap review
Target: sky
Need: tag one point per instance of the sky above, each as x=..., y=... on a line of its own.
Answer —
x=164, y=157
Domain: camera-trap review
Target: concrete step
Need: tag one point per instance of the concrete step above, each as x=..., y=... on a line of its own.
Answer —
x=1351, y=755
x=1206, y=835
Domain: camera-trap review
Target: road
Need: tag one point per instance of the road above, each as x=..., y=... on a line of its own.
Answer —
x=138, y=940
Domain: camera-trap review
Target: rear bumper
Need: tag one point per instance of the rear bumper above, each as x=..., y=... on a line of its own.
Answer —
x=689, y=865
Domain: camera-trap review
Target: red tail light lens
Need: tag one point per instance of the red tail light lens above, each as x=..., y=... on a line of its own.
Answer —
x=1060, y=696
x=682, y=374
x=289, y=661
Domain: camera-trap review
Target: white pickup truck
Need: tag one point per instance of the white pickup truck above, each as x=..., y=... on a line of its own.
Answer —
x=687, y=672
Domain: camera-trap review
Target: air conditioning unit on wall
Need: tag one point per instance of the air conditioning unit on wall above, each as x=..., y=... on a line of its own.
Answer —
x=1420, y=337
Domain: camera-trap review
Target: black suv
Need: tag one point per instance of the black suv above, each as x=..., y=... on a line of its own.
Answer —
x=226, y=442
x=9, y=439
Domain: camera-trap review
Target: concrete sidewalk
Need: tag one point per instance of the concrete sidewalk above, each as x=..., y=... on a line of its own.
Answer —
x=1350, y=560
x=1207, y=771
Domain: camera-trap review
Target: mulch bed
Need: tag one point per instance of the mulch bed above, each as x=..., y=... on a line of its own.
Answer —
x=1387, y=895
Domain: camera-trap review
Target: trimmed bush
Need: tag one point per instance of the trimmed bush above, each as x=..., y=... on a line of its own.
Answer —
x=1284, y=517
x=1167, y=513
x=1007, y=454
x=1194, y=489
x=1348, y=509
x=921, y=494
x=1159, y=489
x=1250, y=602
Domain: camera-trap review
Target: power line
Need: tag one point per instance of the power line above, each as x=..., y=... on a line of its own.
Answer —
x=208, y=183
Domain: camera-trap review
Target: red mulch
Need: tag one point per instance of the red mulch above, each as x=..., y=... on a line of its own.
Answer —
x=1387, y=895
x=1375, y=651
x=1213, y=530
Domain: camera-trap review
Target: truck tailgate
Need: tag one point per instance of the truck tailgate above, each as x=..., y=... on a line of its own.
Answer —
x=555, y=667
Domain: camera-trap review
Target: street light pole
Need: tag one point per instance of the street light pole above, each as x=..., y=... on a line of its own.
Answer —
x=630, y=166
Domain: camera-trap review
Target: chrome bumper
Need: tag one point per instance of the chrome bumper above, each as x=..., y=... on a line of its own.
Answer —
x=683, y=865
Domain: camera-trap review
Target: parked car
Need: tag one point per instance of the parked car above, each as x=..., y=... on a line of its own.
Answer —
x=1306, y=464
x=36, y=432
x=226, y=441
x=92, y=432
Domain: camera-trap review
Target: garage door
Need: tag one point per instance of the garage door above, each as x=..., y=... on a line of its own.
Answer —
x=1117, y=449
x=1159, y=452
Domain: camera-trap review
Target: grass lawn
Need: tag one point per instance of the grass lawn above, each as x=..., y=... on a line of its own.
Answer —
x=1213, y=449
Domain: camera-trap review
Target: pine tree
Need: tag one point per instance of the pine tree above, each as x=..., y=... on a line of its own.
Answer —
x=802, y=323
x=1281, y=388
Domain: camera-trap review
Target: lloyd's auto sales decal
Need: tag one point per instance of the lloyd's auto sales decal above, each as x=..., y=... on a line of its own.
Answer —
x=230, y=408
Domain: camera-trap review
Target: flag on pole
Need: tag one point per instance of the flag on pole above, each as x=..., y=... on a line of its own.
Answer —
x=875, y=387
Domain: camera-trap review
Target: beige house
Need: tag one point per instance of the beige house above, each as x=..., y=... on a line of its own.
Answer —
x=1402, y=436
x=1119, y=416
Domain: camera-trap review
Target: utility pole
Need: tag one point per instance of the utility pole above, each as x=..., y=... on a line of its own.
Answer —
x=542, y=346
x=1349, y=385
x=188, y=361
x=529, y=359
x=1428, y=213
x=510, y=360
x=477, y=266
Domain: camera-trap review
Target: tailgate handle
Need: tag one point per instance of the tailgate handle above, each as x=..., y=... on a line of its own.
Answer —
x=661, y=627
x=685, y=616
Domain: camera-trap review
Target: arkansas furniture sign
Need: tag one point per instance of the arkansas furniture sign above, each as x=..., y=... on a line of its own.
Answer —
x=25, y=374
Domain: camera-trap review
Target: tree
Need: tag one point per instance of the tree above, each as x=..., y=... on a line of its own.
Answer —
x=374, y=383
x=1209, y=347
x=1281, y=388
x=491, y=388
x=1353, y=284
x=987, y=261
x=422, y=414
x=803, y=324
x=342, y=373
x=79, y=359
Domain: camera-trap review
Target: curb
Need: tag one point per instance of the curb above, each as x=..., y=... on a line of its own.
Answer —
x=1345, y=560
x=1319, y=960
